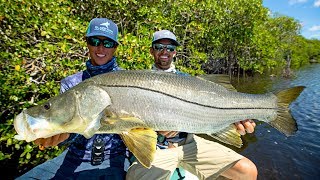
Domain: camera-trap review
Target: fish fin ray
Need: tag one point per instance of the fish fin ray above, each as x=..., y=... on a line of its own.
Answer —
x=142, y=143
x=111, y=121
x=284, y=122
x=112, y=118
x=229, y=135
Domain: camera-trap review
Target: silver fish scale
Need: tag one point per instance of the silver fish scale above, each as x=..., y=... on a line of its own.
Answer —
x=184, y=88
x=119, y=101
x=165, y=112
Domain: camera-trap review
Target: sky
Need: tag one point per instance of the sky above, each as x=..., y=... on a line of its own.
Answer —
x=307, y=12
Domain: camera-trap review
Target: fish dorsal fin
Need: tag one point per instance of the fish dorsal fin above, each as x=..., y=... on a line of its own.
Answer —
x=229, y=135
x=221, y=79
x=142, y=143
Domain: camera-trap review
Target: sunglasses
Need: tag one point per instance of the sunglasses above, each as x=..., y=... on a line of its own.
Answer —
x=94, y=41
x=160, y=47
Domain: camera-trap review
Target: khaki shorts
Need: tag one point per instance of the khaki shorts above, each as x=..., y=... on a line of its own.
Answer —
x=203, y=158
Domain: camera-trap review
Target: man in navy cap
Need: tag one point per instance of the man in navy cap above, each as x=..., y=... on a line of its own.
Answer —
x=103, y=156
x=203, y=158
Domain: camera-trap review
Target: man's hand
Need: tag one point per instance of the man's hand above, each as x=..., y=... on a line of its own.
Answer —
x=246, y=126
x=168, y=134
x=51, y=141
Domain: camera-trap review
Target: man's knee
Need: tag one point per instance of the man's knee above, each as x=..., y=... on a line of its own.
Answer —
x=247, y=168
x=243, y=169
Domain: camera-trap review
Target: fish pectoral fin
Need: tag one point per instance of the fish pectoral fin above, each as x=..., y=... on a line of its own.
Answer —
x=142, y=143
x=229, y=135
x=112, y=118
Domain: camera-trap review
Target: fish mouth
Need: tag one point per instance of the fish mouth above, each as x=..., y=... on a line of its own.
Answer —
x=22, y=127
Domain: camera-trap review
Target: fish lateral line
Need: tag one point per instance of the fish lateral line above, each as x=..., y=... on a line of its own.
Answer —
x=191, y=102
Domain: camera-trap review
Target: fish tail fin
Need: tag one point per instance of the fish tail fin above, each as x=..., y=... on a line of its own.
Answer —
x=284, y=121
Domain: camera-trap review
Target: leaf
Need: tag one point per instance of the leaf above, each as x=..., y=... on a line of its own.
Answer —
x=43, y=33
x=17, y=67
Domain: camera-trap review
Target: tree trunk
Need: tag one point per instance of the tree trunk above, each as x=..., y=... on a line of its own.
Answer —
x=287, y=71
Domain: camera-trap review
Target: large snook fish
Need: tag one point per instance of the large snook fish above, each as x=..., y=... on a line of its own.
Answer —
x=135, y=104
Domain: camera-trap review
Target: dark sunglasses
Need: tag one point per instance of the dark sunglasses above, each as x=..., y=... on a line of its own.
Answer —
x=94, y=41
x=160, y=47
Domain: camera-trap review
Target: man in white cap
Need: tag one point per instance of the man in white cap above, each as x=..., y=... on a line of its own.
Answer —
x=203, y=158
x=103, y=156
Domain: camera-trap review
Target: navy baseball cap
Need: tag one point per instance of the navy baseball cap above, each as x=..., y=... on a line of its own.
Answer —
x=165, y=34
x=103, y=27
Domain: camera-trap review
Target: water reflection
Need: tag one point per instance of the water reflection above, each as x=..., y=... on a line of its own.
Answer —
x=278, y=156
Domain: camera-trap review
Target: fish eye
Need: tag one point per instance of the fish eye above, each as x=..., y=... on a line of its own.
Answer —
x=47, y=106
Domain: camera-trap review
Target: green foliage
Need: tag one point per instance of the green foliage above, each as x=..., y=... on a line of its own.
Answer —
x=40, y=45
x=133, y=52
x=42, y=41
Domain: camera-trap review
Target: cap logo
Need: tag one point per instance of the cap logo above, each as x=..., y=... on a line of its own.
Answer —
x=104, y=27
x=105, y=24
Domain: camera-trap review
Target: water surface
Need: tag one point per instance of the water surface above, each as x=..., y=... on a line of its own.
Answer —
x=278, y=156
